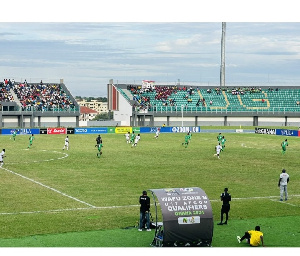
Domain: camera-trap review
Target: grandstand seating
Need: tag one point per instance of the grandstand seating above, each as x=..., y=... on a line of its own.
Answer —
x=234, y=99
x=37, y=96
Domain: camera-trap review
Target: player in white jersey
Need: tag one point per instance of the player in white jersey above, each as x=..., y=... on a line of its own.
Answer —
x=284, y=179
x=218, y=150
x=2, y=156
x=157, y=133
x=66, y=143
x=127, y=136
x=136, y=140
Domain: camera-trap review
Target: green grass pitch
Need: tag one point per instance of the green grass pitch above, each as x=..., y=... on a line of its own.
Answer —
x=57, y=198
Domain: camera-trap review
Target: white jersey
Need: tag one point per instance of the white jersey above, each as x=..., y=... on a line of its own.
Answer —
x=1, y=156
x=218, y=149
x=137, y=138
x=127, y=136
x=67, y=141
x=284, y=178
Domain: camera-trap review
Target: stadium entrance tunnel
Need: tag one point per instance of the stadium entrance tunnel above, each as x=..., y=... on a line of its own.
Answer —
x=183, y=217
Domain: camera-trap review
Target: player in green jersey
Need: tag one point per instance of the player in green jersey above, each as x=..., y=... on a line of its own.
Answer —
x=223, y=140
x=284, y=144
x=186, y=140
x=99, y=153
x=132, y=137
x=14, y=134
x=219, y=137
x=31, y=138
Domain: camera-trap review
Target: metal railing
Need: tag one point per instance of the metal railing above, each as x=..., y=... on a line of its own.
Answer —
x=192, y=109
x=38, y=109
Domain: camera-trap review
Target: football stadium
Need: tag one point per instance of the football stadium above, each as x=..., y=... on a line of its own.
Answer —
x=74, y=196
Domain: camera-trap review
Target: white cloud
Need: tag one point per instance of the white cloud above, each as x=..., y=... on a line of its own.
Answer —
x=93, y=53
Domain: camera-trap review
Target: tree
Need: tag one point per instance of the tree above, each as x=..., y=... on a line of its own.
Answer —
x=103, y=116
x=88, y=99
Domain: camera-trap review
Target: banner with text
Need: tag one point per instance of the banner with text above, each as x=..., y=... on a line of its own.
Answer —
x=265, y=131
x=56, y=130
x=124, y=129
x=285, y=132
x=20, y=131
x=185, y=129
x=90, y=130
x=187, y=214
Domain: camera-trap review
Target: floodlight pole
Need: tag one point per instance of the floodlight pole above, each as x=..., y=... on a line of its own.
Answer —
x=222, y=69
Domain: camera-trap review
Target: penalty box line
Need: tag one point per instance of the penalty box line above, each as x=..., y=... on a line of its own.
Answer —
x=45, y=186
x=128, y=206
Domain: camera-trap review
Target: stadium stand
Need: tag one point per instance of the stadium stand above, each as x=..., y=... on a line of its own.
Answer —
x=172, y=98
x=43, y=97
x=155, y=104
x=37, y=102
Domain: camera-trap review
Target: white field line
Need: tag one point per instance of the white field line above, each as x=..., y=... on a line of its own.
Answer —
x=258, y=197
x=128, y=206
x=284, y=202
x=45, y=186
x=46, y=160
x=68, y=209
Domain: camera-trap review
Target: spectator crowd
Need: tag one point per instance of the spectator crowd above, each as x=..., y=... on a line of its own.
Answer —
x=36, y=96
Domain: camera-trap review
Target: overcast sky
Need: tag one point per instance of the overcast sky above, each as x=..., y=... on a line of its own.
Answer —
x=87, y=53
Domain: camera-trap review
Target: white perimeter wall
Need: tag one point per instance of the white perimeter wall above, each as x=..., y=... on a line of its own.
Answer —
x=9, y=121
x=293, y=121
x=124, y=113
x=271, y=121
x=236, y=121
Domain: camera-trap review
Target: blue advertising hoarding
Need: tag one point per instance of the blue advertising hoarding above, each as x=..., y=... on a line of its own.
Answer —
x=170, y=129
x=185, y=129
x=286, y=132
x=147, y=129
x=20, y=131
x=90, y=130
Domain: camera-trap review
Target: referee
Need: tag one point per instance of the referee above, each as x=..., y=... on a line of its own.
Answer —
x=225, y=198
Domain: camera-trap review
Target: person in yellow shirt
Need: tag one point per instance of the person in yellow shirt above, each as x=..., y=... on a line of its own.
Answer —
x=253, y=237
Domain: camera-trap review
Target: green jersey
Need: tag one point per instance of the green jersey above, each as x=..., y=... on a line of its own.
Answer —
x=187, y=137
x=14, y=135
x=223, y=142
x=284, y=144
x=219, y=137
x=99, y=150
x=132, y=137
x=31, y=138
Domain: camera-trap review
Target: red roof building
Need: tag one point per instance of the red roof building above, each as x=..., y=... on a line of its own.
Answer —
x=87, y=114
